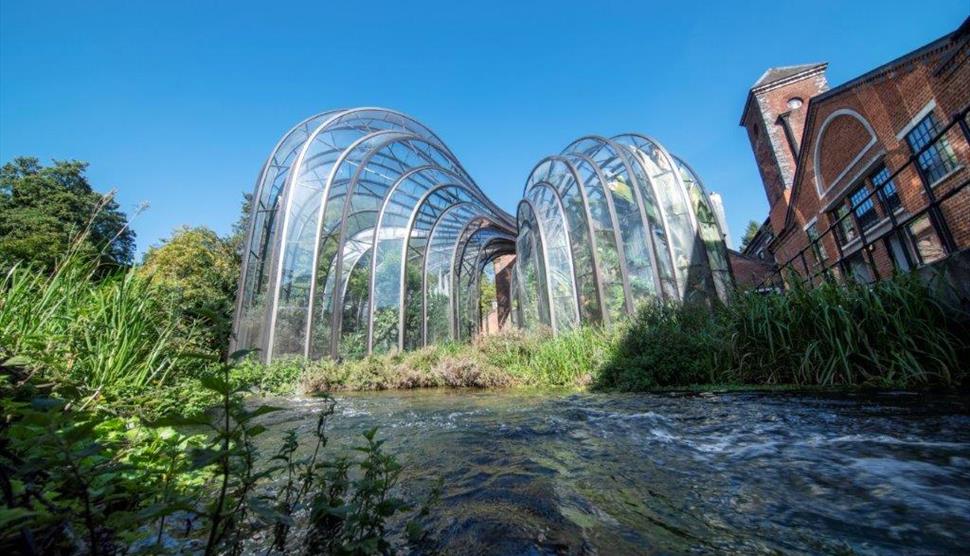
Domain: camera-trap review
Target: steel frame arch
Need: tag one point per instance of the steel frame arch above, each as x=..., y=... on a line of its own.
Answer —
x=480, y=268
x=553, y=321
x=569, y=251
x=338, y=293
x=615, y=225
x=424, y=264
x=588, y=217
x=456, y=261
x=474, y=193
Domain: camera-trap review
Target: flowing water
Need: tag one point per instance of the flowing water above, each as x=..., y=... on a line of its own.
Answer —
x=548, y=473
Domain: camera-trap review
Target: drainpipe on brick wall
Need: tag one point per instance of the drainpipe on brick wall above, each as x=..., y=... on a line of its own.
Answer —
x=789, y=135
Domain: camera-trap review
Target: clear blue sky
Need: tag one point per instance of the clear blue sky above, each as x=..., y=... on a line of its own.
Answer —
x=178, y=103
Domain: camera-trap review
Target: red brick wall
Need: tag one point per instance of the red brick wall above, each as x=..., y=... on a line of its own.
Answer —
x=773, y=155
x=749, y=272
x=843, y=139
x=888, y=103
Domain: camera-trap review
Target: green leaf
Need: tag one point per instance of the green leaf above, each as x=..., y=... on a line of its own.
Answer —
x=262, y=410
x=214, y=383
x=12, y=517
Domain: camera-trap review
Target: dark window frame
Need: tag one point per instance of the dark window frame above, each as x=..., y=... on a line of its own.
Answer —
x=938, y=160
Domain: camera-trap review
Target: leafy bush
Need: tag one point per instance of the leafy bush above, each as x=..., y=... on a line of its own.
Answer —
x=891, y=334
x=665, y=345
x=196, y=271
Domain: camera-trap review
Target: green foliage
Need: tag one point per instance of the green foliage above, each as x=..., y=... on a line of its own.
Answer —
x=666, y=345
x=111, y=339
x=889, y=335
x=750, y=231
x=197, y=271
x=278, y=378
x=77, y=481
x=570, y=359
x=43, y=208
x=892, y=334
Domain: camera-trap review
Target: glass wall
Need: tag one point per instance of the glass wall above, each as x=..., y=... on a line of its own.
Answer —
x=358, y=218
x=368, y=236
x=636, y=224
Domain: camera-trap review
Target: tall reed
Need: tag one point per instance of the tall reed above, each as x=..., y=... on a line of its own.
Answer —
x=98, y=336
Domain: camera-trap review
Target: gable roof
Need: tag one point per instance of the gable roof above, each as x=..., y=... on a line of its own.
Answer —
x=778, y=76
x=773, y=75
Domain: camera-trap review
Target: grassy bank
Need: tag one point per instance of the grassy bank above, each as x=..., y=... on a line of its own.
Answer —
x=512, y=358
x=889, y=335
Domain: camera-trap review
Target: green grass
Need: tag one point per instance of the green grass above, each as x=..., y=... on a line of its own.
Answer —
x=100, y=338
x=893, y=334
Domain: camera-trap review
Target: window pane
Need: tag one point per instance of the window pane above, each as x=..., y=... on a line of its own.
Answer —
x=817, y=246
x=865, y=210
x=928, y=244
x=887, y=188
x=846, y=229
x=938, y=159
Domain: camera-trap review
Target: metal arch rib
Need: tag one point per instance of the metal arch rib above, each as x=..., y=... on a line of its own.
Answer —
x=545, y=263
x=480, y=267
x=463, y=242
x=639, y=155
x=597, y=272
x=569, y=251
x=324, y=199
x=424, y=267
x=336, y=323
x=474, y=193
x=644, y=221
x=251, y=227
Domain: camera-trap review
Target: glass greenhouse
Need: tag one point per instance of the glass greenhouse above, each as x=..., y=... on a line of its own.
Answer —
x=368, y=236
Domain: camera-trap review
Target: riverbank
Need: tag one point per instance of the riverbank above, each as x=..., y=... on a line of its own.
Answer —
x=890, y=335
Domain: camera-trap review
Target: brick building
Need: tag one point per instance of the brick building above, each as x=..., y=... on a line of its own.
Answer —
x=859, y=179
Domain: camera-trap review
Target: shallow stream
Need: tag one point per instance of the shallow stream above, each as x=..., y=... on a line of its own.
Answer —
x=548, y=473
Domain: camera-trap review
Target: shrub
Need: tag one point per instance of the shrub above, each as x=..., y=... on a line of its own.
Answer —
x=665, y=345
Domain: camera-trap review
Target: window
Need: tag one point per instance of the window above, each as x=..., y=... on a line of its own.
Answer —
x=794, y=103
x=845, y=229
x=938, y=159
x=899, y=253
x=817, y=247
x=887, y=188
x=864, y=208
x=929, y=248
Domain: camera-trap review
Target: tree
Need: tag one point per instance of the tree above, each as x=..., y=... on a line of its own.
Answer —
x=199, y=271
x=749, y=232
x=44, y=208
x=241, y=226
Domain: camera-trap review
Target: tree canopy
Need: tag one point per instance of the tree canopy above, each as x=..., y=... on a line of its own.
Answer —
x=198, y=269
x=749, y=232
x=43, y=209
